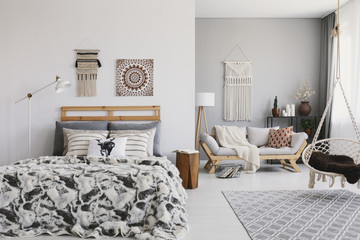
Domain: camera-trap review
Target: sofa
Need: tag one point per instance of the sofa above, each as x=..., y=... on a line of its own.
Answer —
x=258, y=137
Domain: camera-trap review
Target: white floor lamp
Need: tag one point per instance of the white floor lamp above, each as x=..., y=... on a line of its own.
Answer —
x=60, y=87
x=202, y=100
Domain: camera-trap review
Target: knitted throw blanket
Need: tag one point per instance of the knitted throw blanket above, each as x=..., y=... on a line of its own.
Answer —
x=232, y=137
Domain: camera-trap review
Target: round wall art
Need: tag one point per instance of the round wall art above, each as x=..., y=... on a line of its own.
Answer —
x=134, y=77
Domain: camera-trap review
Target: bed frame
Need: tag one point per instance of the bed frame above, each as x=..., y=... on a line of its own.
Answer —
x=110, y=113
x=215, y=160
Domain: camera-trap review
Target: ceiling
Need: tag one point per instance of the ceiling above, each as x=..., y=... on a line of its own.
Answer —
x=265, y=8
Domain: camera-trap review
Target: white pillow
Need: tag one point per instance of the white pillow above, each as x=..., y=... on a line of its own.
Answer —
x=150, y=147
x=78, y=143
x=259, y=136
x=114, y=147
x=136, y=145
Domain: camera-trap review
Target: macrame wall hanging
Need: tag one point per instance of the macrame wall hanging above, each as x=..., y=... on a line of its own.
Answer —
x=87, y=65
x=238, y=89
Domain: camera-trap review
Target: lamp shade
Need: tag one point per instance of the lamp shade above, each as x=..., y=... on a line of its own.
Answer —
x=205, y=99
x=61, y=85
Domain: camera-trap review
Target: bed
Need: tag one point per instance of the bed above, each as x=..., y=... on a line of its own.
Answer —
x=94, y=196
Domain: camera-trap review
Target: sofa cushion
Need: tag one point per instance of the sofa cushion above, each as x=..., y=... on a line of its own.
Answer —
x=298, y=139
x=211, y=142
x=276, y=151
x=223, y=151
x=259, y=136
x=296, y=142
x=280, y=138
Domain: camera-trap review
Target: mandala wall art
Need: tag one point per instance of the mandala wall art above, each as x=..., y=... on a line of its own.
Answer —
x=135, y=77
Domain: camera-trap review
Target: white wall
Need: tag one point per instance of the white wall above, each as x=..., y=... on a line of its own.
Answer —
x=37, y=42
x=284, y=52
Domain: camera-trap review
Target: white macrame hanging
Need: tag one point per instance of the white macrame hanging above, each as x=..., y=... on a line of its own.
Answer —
x=87, y=64
x=238, y=89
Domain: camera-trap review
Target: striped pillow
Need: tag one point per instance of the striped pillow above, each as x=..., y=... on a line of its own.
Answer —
x=150, y=146
x=67, y=131
x=78, y=143
x=136, y=145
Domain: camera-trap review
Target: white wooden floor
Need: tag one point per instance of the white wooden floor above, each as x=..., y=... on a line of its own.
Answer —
x=211, y=217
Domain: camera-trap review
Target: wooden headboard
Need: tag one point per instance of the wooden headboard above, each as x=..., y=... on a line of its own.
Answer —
x=110, y=113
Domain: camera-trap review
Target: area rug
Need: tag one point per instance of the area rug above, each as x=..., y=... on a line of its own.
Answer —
x=300, y=214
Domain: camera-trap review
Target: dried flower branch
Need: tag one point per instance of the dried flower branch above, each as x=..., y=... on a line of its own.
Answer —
x=304, y=92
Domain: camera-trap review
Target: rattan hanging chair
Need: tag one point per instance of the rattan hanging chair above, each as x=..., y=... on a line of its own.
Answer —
x=333, y=146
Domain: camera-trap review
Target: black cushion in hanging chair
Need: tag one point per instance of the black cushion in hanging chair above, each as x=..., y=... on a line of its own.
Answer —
x=337, y=164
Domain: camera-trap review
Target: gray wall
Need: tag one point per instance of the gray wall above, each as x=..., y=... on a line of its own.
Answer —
x=284, y=52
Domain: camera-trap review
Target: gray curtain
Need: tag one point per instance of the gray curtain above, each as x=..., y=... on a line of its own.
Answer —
x=326, y=69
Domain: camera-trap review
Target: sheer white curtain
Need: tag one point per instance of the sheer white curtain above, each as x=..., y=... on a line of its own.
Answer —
x=341, y=125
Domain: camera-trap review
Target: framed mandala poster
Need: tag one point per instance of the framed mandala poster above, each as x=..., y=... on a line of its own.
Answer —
x=135, y=77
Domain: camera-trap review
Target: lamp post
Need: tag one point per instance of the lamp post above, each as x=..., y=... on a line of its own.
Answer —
x=202, y=100
x=59, y=87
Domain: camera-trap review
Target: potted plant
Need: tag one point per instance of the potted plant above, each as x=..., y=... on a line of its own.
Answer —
x=308, y=126
x=276, y=110
x=303, y=94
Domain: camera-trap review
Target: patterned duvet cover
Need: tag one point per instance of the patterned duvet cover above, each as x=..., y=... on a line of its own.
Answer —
x=92, y=197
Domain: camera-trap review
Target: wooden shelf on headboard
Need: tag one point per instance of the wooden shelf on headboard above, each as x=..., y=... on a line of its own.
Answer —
x=110, y=110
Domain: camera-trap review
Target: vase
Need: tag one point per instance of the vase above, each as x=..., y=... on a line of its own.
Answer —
x=308, y=131
x=275, y=112
x=304, y=108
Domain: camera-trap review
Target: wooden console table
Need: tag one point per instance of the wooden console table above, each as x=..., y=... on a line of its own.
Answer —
x=294, y=121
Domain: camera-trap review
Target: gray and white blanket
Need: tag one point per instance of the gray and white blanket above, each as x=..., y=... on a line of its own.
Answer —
x=92, y=197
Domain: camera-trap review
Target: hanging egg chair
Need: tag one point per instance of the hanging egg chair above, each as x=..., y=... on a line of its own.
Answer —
x=340, y=148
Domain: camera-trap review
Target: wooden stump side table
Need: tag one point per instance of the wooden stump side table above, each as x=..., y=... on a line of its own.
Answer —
x=188, y=165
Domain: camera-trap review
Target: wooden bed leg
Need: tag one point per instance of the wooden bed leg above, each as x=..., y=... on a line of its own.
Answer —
x=294, y=165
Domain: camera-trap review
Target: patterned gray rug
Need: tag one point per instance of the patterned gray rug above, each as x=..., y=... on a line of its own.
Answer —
x=300, y=214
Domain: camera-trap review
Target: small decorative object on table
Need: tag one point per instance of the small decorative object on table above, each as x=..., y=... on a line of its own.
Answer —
x=303, y=94
x=308, y=126
x=228, y=170
x=187, y=161
x=292, y=109
x=276, y=110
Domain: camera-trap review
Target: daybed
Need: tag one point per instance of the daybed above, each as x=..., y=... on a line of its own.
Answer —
x=217, y=153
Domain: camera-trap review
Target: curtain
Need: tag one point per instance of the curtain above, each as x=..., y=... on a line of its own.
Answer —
x=326, y=69
x=341, y=125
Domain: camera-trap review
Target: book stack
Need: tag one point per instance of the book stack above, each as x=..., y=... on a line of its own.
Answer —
x=228, y=171
x=187, y=151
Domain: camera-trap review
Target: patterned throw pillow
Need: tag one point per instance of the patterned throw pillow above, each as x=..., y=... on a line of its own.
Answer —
x=78, y=143
x=113, y=147
x=280, y=138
